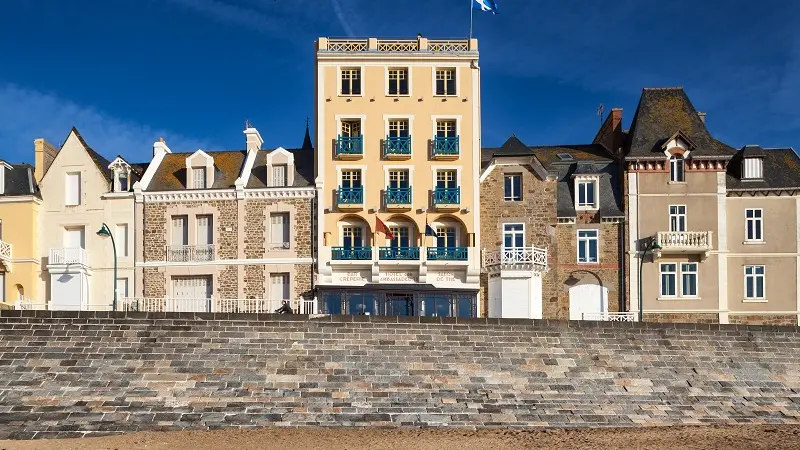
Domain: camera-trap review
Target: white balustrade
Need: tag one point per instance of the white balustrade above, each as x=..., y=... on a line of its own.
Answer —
x=247, y=305
x=398, y=45
x=68, y=255
x=5, y=250
x=684, y=240
x=516, y=256
x=611, y=316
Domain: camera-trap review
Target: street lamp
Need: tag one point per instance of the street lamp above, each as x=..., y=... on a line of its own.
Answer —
x=649, y=246
x=104, y=232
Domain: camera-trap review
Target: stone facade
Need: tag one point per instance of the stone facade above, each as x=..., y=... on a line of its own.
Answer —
x=763, y=319
x=537, y=210
x=155, y=232
x=303, y=274
x=228, y=282
x=155, y=282
x=709, y=318
x=146, y=372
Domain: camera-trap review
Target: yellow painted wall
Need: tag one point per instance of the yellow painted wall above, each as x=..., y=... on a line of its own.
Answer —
x=20, y=229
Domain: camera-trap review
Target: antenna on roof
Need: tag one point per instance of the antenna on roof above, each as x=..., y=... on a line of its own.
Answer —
x=600, y=113
x=247, y=124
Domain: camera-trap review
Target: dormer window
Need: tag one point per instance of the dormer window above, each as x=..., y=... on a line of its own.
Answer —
x=586, y=194
x=280, y=168
x=676, y=168
x=198, y=178
x=199, y=170
x=753, y=168
x=122, y=175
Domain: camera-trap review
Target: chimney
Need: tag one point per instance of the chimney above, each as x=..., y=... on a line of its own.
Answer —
x=610, y=133
x=160, y=146
x=43, y=155
x=702, y=117
x=254, y=140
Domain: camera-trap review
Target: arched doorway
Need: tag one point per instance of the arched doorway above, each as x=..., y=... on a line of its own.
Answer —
x=587, y=298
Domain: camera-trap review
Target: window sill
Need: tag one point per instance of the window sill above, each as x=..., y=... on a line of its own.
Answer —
x=754, y=300
x=589, y=263
x=445, y=95
x=673, y=299
x=587, y=209
x=511, y=200
x=676, y=182
x=754, y=243
x=398, y=95
x=350, y=95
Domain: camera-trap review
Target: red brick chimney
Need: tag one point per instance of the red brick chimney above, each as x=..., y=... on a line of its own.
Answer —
x=610, y=133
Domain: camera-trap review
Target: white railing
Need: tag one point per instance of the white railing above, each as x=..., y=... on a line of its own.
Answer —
x=68, y=255
x=5, y=250
x=610, y=316
x=398, y=46
x=29, y=304
x=190, y=253
x=684, y=240
x=249, y=305
x=448, y=46
x=347, y=45
x=516, y=256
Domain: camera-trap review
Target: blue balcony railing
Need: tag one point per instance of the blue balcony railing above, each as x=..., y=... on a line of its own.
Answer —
x=447, y=196
x=398, y=196
x=398, y=145
x=352, y=253
x=350, y=195
x=398, y=253
x=350, y=145
x=445, y=146
x=447, y=253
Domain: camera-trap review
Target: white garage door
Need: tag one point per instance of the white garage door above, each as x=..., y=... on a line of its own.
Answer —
x=587, y=298
x=190, y=294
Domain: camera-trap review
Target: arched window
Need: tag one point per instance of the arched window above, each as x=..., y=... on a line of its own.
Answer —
x=676, y=168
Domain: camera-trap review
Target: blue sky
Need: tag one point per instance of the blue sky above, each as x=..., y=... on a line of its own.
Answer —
x=128, y=71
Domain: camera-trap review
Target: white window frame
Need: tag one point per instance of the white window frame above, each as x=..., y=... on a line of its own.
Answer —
x=587, y=240
x=210, y=219
x=68, y=200
x=755, y=276
x=195, y=179
x=456, y=73
x=674, y=273
x=280, y=181
x=121, y=238
x=185, y=219
x=127, y=287
x=758, y=224
x=673, y=162
x=362, y=76
x=696, y=273
x=678, y=216
x=595, y=187
x=286, y=232
x=515, y=196
x=437, y=118
x=364, y=230
x=408, y=75
x=513, y=233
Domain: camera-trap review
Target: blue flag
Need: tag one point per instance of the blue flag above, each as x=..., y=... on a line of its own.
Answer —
x=485, y=5
x=429, y=231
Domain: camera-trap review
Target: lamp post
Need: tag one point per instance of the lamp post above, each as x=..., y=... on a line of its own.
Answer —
x=104, y=232
x=650, y=245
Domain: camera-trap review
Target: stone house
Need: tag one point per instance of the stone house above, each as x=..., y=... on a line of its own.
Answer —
x=225, y=230
x=551, y=224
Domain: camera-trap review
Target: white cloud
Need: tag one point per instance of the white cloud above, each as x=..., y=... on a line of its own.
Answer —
x=27, y=114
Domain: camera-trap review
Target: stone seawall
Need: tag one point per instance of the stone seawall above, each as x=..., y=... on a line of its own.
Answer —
x=68, y=374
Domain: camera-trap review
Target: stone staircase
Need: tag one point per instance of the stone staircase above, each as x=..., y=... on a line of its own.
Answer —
x=65, y=374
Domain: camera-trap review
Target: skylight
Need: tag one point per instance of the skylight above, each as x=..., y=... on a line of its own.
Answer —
x=565, y=157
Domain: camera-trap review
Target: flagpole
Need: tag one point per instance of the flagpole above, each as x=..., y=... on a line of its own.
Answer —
x=470, y=18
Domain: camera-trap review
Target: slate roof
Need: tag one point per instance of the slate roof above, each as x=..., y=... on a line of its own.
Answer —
x=586, y=159
x=781, y=169
x=303, y=169
x=19, y=181
x=661, y=113
x=98, y=159
x=171, y=173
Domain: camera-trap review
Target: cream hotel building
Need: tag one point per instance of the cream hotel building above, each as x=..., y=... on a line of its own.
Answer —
x=397, y=159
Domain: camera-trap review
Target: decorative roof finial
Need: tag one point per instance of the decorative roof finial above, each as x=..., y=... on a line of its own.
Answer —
x=161, y=139
x=247, y=124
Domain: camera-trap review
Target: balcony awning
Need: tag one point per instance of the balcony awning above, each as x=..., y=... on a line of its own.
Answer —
x=397, y=287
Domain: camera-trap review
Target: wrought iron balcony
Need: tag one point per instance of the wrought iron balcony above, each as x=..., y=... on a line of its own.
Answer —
x=190, y=253
x=448, y=253
x=446, y=196
x=399, y=253
x=527, y=258
x=351, y=147
x=684, y=242
x=352, y=253
x=398, y=197
x=397, y=147
x=445, y=147
x=350, y=196
x=67, y=256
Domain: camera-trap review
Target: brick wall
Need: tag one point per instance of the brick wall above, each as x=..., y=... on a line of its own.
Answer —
x=155, y=231
x=72, y=374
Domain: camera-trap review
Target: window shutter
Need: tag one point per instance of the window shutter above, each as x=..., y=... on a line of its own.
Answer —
x=199, y=178
x=204, y=230
x=180, y=234
x=121, y=239
x=72, y=189
x=279, y=175
x=280, y=286
x=279, y=232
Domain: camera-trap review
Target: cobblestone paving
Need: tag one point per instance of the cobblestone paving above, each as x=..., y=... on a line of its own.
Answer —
x=76, y=374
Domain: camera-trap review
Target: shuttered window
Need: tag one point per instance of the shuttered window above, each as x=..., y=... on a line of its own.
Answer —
x=180, y=232
x=72, y=189
x=199, y=178
x=279, y=286
x=279, y=229
x=279, y=175
x=121, y=239
x=205, y=234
